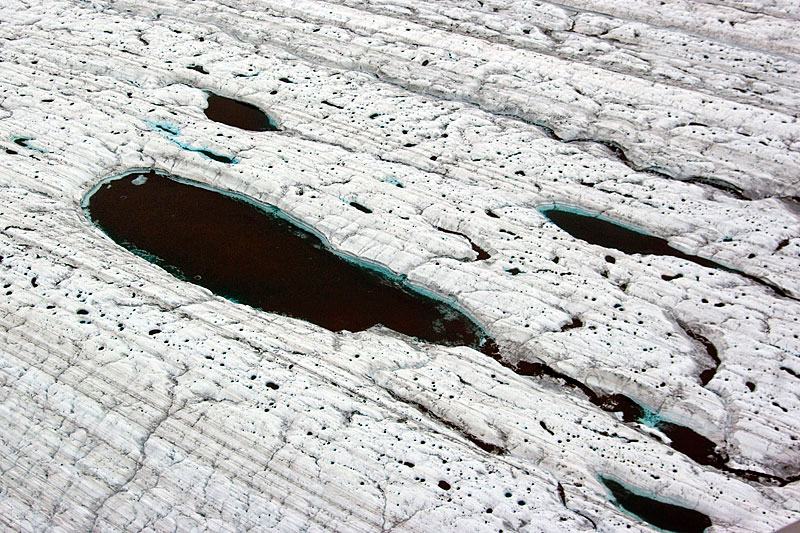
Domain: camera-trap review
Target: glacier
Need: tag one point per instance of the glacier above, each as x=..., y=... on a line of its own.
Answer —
x=131, y=400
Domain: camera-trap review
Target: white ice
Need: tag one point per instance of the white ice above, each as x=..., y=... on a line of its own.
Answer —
x=677, y=117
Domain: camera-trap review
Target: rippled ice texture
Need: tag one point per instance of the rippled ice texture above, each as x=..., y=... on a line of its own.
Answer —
x=133, y=400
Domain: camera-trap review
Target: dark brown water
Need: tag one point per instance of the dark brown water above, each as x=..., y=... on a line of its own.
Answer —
x=683, y=439
x=602, y=232
x=663, y=515
x=605, y=233
x=238, y=114
x=256, y=257
x=482, y=254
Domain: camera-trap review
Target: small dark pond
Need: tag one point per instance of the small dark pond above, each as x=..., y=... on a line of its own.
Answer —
x=251, y=253
x=683, y=439
x=238, y=114
x=662, y=515
x=597, y=230
x=482, y=254
x=215, y=157
x=602, y=232
x=198, y=68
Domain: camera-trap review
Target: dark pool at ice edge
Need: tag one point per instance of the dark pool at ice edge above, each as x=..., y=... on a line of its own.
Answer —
x=596, y=229
x=666, y=516
x=255, y=254
x=238, y=114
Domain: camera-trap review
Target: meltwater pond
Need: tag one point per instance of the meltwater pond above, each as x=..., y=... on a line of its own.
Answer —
x=253, y=254
x=238, y=114
x=666, y=516
x=598, y=230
